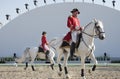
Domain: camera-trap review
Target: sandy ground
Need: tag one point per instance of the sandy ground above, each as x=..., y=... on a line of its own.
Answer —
x=45, y=72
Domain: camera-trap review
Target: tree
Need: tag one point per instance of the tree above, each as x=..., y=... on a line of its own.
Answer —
x=113, y=2
x=54, y=0
x=1, y=24
x=7, y=16
x=26, y=6
x=45, y=1
x=17, y=10
x=103, y=1
x=14, y=55
x=105, y=56
x=92, y=1
x=35, y=2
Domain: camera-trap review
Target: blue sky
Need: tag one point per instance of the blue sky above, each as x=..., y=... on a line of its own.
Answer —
x=9, y=6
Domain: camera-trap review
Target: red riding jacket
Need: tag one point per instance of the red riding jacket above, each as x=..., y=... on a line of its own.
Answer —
x=72, y=22
x=44, y=41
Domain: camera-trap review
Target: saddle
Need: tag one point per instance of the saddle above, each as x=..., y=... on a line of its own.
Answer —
x=65, y=44
x=66, y=40
x=40, y=49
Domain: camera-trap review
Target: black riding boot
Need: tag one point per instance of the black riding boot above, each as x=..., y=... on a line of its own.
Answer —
x=46, y=56
x=72, y=50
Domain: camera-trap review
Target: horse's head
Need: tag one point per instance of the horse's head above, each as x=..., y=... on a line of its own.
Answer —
x=99, y=30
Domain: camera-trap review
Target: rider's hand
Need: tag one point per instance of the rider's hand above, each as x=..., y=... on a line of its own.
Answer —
x=77, y=27
x=81, y=28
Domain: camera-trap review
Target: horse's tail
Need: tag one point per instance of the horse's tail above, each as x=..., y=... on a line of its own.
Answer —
x=22, y=59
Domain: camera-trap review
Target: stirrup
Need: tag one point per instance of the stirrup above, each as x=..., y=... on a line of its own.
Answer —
x=72, y=57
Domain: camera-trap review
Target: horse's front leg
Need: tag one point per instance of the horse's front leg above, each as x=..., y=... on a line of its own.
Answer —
x=51, y=57
x=66, y=55
x=83, y=66
x=59, y=64
x=92, y=56
x=32, y=65
x=26, y=65
x=32, y=56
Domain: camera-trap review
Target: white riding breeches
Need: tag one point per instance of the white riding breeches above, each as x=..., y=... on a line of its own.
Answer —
x=46, y=47
x=74, y=36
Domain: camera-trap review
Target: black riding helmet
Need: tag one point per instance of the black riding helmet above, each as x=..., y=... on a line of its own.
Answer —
x=44, y=32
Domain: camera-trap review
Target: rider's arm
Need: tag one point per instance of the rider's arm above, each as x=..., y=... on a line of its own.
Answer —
x=70, y=23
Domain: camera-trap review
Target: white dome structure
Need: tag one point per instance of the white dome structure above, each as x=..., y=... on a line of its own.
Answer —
x=25, y=30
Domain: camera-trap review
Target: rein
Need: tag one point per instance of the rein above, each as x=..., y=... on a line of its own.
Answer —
x=93, y=36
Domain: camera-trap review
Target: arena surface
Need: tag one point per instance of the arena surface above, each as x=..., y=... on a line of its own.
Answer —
x=45, y=72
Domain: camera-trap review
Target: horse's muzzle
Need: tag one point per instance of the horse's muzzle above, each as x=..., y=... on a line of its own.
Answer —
x=102, y=37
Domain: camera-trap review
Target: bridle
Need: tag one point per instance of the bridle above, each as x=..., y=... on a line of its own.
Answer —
x=97, y=35
x=95, y=27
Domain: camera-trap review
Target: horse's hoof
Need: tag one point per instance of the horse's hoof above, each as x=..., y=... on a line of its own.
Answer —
x=15, y=64
x=52, y=66
x=59, y=73
x=25, y=68
x=89, y=71
x=83, y=77
x=94, y=67
x=68, y=76
x=34, y=70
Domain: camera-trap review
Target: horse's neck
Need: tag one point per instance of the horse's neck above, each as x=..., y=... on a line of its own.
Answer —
x=89, y=30
x=57, y=42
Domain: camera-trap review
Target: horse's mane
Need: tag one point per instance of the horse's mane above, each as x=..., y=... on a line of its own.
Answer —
x=56, y=41
x=27, y=49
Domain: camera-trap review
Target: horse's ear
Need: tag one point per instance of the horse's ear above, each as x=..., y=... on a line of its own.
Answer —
x=27, y=48
x=95, y=20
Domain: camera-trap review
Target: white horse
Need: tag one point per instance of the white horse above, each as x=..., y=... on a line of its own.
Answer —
x=86, y=48
x=32, y=53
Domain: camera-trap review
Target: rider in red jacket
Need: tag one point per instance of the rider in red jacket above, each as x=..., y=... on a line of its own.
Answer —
x=44, y=44
x=73, y=24
x=44, y=41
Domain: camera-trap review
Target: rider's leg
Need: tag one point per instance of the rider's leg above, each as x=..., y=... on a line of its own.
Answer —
x=46, y=54
x=72, y=48
x=79, y=36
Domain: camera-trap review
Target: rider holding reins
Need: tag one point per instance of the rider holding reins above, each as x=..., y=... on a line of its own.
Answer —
x=44, y=44
x=73, y=24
